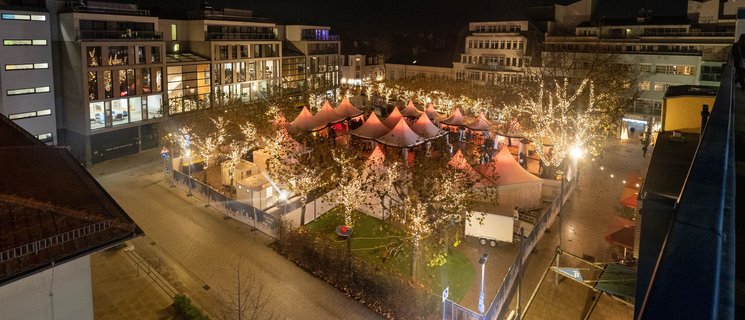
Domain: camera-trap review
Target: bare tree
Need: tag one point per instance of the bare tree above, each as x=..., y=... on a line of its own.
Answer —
x=246, y=298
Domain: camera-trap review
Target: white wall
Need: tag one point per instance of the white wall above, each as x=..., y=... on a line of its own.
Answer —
x=72, y=297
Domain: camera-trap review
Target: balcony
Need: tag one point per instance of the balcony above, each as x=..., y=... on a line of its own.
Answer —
x=118, y=35
x=312, y=37
x=239, y=36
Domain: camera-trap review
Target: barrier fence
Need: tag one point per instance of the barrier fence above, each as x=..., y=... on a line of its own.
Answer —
x=240, y=211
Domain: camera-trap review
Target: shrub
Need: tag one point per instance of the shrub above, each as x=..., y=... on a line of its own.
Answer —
x=187, y=309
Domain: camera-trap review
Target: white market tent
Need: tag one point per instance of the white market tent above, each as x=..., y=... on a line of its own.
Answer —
x=426, y=129
x=393, y=118
x=372, y=129
x=306, y=122
x=347, y=109
x=431, y=112
x=401, y=136
x=516, y=186
x=327, y=115
x=458, y=161
x=374, y=163
x=479, y=124
x=456, y=119
x=411, y=111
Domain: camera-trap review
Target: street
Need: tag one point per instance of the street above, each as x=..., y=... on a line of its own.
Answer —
x=199, y=249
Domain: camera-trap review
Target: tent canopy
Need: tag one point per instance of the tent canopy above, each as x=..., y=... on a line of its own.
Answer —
x=401, y=136
x=629, y=197
x=621, y=232
x=375, y=163
x=327, y=115
x=425, y=128
x=411, y=111
x=479, y=124
x=347, y=109
x=431, y=112
x=372, y=129
x=516, y=186
x=306, y=122
x=455, y=119
x=459, y=162
x=393, y=118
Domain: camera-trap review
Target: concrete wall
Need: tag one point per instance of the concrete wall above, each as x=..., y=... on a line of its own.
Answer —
x=32, y=78
x=70, y=296
x=680, y=113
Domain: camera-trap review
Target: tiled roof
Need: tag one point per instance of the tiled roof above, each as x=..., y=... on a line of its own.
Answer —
x=51, y=209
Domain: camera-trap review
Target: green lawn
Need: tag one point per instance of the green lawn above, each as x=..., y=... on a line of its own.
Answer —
x=369, y=242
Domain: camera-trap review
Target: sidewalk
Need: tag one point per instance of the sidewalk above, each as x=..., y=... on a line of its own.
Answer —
x=119, y=292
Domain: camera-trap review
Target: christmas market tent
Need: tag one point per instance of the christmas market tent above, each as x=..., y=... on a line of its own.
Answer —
x=305, y=122
x=401, y=136
x=516, y=186
x=411, y=111
x=374, y=163
x=456, y=119
x=426, y=129
x=431, y=112
x=327, y=115
x=479, y=124
x=279, y=121
x=347, y=109
x=393, y=118
x=372, y=129
x=459, y=162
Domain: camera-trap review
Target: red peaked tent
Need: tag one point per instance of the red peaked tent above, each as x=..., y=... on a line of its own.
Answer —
x=393, y=118
x=431, y=112
x=459, y=162
x=305, y=122
x=411, y=111
x=372, y=129
x=327, y=115
x=516, y=186
x=401, y=136
x=479, y=124
x=456, y=119
x=346, y=108
x=425, y=128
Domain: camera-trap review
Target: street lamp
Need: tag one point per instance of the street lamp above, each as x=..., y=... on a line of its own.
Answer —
x=482, y=262
x=283, y=196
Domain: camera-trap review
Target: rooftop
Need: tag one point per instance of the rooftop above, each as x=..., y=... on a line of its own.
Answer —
x=647, y=21
x=51, y=209
x=671, y=158
x=688, y=90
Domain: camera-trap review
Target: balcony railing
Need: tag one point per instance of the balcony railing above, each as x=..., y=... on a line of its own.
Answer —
x=118, y=35
x=240, y=36
x=106, y=7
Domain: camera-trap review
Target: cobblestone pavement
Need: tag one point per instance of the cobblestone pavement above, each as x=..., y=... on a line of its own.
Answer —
x=198, y=248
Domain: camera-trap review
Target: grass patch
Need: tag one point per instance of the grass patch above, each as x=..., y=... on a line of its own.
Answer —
x=371, y=238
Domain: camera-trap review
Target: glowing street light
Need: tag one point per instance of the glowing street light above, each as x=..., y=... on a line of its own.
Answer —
x=576, y=152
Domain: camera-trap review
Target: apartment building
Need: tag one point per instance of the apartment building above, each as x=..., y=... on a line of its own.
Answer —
x=361, y=66
x=26, y=86
x=495, y=51
x=321, y=51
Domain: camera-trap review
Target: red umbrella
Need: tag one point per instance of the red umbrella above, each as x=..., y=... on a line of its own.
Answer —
x=629, y=197
x=621, y=232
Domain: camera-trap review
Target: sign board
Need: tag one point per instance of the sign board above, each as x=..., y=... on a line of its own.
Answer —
x=572, y=273
x=164, y=153
x=445, y=293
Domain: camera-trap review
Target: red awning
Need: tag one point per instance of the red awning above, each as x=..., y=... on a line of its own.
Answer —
x=621, y=232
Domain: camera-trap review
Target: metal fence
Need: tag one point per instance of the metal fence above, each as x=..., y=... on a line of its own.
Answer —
x=240, y=211
x=505, y=291
x=58, y=239
x=454, y=311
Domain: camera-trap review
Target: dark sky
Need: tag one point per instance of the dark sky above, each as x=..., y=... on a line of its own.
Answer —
x=353, y=17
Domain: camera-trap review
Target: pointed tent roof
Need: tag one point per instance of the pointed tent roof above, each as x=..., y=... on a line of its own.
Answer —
x=327, y=115
x=374, y=163
x=372, y=129
x=455, y=119
x=401, y=136
x=479, y=124
x=425, y=128
x=411, y=111
x=393, y=118
x=280, y=121
x=506, y=169
x=459, y=162
x=346, y=108
x=431, y=112
x=306, y=122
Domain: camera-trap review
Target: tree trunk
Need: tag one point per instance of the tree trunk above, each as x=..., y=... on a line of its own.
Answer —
x=414, y=258
x=302, y=213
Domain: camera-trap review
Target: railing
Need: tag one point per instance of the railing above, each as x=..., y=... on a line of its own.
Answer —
x=688, y=34
x=331, y=37
x=240, y=36
x=454, y=311
x=240, y=211
x=694, y=273
x=105, y=7
x=500, y=302
x=118, y=35
x=36, y=246
x=652, y=111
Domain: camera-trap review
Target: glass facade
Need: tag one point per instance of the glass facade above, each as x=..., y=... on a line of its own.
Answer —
x=188, y=87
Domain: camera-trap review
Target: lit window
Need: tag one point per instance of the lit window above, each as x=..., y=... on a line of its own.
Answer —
x=45, y=136
x=15, y=92
x=38, y=17
x=11, y=16
x=43, y=65
x=644, y=85
x=10, y=67
x=39, y=42
x=42, y=89
x=44, y=112
x=17, y=42
x=23, y=115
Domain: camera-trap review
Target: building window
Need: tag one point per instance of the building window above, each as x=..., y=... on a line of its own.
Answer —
x=141, y=59
x=26, y=17
x=154, y=105
x=94, y=56
x=155, y=54
x=711, y=73
x=243, y=52
x=15, y=92
x=645, y=67
x=118, y=56
x=174, y=33
x=158, y=80
x=45, y=137
x=644, y=85
x=661, y=86
x=24, y=42
x=97, y=115
x=108, y=84
x=222, y=52
x=119, y=112
x=92, y=85
x=145, y=80
x=135, y=109
x=30, y=114
x=126, y=82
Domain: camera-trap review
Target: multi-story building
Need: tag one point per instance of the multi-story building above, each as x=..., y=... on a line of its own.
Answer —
x=664, y=51
x=495, y=51
x=358, y=66
x=110, y=79
x=26, y=86
x=321, y=51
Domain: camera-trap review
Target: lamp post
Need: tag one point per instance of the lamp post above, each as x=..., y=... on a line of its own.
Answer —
x=482, y=262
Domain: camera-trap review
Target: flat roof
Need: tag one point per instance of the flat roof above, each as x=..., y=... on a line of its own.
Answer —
x=668, y=168
x=51, y=209
x=184, y=57
x=688, y=90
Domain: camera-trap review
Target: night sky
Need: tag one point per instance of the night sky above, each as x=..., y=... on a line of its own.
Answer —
x=351, y=18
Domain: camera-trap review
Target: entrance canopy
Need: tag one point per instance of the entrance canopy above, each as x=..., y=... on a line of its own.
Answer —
x=306, y=122
x=372, y=129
